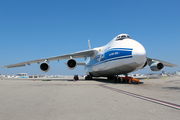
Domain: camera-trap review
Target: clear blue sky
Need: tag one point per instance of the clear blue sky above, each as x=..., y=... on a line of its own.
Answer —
x=33, y=29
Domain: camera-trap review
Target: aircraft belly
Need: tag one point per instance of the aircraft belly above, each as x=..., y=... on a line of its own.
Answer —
x=115, y=67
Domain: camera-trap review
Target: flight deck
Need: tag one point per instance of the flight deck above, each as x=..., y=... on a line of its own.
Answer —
x=54, y=99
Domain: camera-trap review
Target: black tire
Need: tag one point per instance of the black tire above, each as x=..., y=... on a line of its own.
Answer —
x=115, y=80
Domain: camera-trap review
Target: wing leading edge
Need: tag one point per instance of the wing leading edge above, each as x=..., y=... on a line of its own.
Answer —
x=80, y=54
x=150, y=60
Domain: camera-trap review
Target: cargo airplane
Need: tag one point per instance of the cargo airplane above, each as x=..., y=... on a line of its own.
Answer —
x=121, y=55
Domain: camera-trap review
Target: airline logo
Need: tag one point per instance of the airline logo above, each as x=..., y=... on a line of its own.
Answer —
x=114, y=54
x=110, y=55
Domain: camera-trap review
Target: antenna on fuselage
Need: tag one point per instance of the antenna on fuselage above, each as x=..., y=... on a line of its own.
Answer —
x=89, y=45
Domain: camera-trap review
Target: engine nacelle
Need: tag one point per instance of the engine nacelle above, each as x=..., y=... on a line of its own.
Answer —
x=71, y=64
x=45, y=67
x=156, y=66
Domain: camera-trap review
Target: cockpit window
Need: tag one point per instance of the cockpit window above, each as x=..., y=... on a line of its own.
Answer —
x=118, y=38
x=121, y=37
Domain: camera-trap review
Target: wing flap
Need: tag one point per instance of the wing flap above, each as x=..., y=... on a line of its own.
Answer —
x=11, y=66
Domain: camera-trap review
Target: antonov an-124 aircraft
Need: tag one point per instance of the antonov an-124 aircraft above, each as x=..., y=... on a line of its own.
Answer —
x=121, y=55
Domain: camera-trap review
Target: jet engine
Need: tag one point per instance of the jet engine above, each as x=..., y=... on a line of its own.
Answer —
x=71, y=64
x=156, y=66
x=45, y=67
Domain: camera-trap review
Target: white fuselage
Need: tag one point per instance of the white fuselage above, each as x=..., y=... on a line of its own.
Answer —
x=117, y=57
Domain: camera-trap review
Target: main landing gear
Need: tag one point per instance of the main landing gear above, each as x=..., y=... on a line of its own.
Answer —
x=88, y=77
x=125, y=79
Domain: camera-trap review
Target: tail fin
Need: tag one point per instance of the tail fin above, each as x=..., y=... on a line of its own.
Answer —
x=89, y=45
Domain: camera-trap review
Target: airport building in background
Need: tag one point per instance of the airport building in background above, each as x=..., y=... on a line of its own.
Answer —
x=178, y=72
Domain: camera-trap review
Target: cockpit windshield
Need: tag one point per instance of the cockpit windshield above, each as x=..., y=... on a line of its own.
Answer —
x=122, y=36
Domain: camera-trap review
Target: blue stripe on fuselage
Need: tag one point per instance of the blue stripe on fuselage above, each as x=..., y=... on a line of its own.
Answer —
x=110, y=55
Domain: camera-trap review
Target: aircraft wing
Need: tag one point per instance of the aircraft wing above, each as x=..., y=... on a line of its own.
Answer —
x=80, y=54
x=150, y=60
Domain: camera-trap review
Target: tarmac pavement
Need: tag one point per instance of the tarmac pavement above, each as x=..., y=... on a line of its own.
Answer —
x=98, y=99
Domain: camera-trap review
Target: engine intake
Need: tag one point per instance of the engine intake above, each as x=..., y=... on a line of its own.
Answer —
x=71, y=64
x=156, y=66
x=45, y=67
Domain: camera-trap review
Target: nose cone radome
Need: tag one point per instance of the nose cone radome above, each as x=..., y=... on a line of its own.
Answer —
x=139, y=53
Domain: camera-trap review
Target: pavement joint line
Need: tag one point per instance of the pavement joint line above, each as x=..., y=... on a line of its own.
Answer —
x=143, y=97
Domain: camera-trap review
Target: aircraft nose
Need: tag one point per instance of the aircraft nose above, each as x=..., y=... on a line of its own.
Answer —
x=139, y=53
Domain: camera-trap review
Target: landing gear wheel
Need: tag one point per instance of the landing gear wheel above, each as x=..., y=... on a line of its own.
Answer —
x=119, y=80
x=116, y=80
x=110, y=78
x=88, y=77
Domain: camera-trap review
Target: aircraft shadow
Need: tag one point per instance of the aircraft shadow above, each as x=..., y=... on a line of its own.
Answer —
x=101, y=80
x=111, y=81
